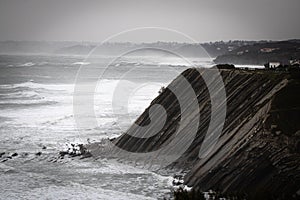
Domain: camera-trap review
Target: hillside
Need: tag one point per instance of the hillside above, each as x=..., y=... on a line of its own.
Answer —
x=83, y=48
x=258, y=152
x=262, y=53
x=219, y=48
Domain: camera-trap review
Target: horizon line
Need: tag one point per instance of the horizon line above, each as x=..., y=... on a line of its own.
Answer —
x=158, y=41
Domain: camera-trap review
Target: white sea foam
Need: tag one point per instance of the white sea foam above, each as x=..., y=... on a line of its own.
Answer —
x=28, y=121
x=80, y=191
x=28, y=64
x=81, y=63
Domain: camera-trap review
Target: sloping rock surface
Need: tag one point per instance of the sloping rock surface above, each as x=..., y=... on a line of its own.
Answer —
x=258, y=152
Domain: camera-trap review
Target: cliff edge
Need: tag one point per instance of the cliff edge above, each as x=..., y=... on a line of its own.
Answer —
x=258, y=151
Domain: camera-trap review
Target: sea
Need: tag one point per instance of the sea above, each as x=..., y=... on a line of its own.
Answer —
x=37, y=122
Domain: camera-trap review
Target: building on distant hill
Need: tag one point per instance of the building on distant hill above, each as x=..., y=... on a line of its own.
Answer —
x=294, y=62
x=268, y=50
x=272, y=65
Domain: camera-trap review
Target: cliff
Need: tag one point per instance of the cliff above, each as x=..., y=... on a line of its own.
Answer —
x=258, y=151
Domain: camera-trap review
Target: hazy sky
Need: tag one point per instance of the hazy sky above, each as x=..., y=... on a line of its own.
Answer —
x=95, y=20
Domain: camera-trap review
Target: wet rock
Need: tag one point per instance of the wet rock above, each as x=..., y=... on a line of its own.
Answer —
x=162, y=89
x=177, y=180
x=6, y=158
x=14, y=154
x=63, y=153
x=74, y=150
x=278, y=133
x=210, y=194
x=24, y=155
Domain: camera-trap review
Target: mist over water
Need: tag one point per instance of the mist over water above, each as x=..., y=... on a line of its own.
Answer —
x=36, y=111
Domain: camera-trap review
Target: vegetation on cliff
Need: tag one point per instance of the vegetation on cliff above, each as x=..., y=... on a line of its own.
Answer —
x=262, y=53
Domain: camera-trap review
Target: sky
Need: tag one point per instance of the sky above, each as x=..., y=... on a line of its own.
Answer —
x=98, y=20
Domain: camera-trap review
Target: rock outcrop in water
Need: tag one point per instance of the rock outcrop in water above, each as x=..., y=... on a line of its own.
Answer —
x=258, y=152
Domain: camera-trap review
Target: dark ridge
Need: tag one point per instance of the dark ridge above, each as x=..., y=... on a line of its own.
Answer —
x=262, y=53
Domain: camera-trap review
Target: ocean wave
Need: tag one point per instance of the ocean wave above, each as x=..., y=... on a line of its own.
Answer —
x=160, y=61
x=19, y=94
x=32, y=94
x=21, y=103
x=28, y=64
x=42, y=64
x=33, y=85
x=58, y=120
x=81, y=63
x=152, y=64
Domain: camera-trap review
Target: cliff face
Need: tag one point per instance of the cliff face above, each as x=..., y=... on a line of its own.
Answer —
x=258, y=151
x=260, y=154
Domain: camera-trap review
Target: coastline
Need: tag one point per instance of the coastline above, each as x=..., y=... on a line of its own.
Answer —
x=255, y=149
